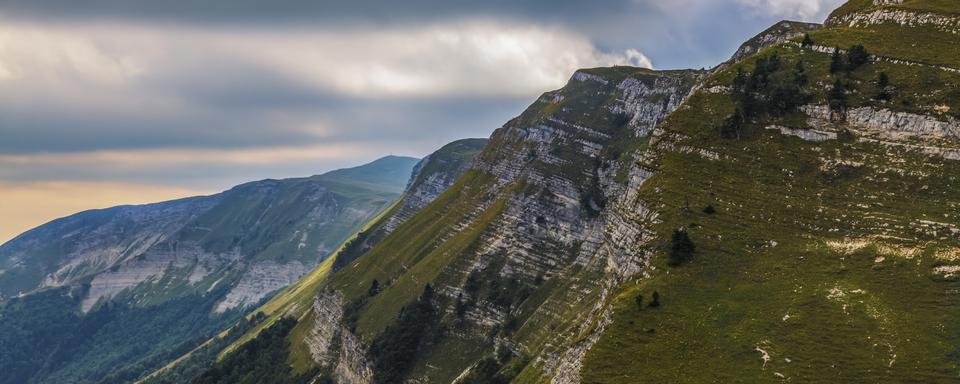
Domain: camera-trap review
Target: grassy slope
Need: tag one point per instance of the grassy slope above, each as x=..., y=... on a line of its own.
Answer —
x=416, y=240
x=450, y=160
x=847, y=294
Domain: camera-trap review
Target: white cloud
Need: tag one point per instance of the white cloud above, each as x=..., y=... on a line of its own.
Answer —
x=476, y=57
x=83, y=87
x=804, y=10
x=37, y=54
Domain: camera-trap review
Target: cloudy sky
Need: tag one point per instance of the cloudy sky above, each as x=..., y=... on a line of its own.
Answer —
x=105, y=102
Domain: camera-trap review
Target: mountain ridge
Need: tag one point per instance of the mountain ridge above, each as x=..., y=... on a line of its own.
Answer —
x=554, y=259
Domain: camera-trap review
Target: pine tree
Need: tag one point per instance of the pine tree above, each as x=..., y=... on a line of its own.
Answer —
x=656, y=299
x=771, y=89
x=742, y=91
x=883, y=84
x=836, y=61
x=857, y=56
x=739, y=85
x=681, y=248
x=807, y=41
x=461, y=306
x=733, y=125
x=883, y=80
x=838, y=97
x=639, y=300
x=800, y=74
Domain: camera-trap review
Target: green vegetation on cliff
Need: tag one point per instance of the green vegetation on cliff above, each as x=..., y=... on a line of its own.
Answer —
x=825, y=261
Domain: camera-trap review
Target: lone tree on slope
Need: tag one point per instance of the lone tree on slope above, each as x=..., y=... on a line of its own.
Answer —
x=837, y=97
x=857, y=56
x=681, y=248
x=836, y=61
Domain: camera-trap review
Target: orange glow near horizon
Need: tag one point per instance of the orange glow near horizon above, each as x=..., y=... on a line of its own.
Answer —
x=25, y=206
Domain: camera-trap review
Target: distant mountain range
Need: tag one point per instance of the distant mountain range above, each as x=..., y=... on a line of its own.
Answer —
x=258, y=237
x=208, y=255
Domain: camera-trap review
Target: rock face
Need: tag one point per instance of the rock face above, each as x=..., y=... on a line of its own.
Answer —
x=559, y=216
x=901, y=17
x=890, y=124
x=805, y=134
x=334, y=346
x=550, y=209
x=572, y=217
x=259, y=280
x=257, y=237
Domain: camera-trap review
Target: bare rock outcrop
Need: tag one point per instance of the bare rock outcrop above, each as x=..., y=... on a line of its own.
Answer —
x=332, y=345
